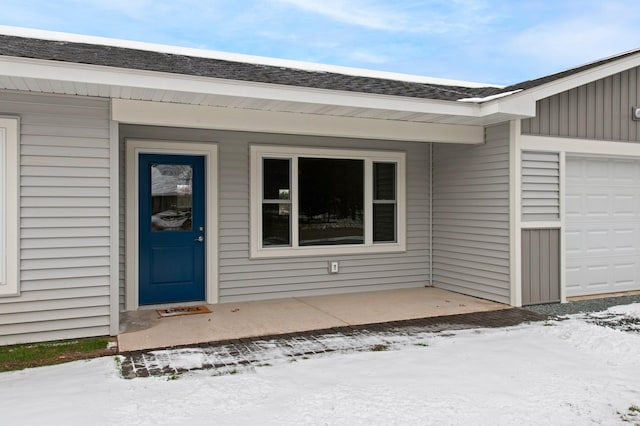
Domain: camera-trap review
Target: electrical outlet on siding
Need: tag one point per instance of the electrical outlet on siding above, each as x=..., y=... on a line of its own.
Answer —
x=333, y=267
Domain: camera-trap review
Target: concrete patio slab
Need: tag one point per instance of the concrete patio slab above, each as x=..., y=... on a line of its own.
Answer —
x=144, y=329
x=383, y=306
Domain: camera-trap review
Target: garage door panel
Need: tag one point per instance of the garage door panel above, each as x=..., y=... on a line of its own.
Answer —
x=602, y=233
x=573, y=241
x=625, y=240
x=601, y=277
x=625, y=274
x=596, y=171
x=603, y=241
x=626, y=171
x=624, y=205
x=600, y=243
x=573, y=205
x=597, y=205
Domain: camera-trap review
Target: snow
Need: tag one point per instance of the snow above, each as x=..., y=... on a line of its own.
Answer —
x=566, y=372
x=628, y=310
x=235, y=57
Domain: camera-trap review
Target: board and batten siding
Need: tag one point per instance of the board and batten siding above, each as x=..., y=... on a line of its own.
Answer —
x=471, y=217
x=540, y=266
x=540, y=186
x=64, y=219
x=599, y=110
x=242, y=278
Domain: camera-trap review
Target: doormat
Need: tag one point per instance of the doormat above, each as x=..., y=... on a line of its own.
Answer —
x=183, y=310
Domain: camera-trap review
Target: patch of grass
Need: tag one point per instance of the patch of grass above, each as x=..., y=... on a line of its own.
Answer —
x=18, y=357
x=421, y=344
x=632, y=415
x=379, y=348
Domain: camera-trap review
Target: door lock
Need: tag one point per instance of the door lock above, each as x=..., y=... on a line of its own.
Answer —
x=200, y=239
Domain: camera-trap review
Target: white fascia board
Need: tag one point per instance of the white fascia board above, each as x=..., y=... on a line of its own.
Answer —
x=123, y=77
x=250, y=120
x=523, y=106
x=579, y=146
x=523, y=103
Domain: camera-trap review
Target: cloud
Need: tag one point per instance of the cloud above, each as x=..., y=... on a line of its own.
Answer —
x=588, y=32
x=434, y=17
x=131, y=8
x=362, y=56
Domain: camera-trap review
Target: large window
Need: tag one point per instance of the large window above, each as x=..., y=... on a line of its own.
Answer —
x=9, y=207
x=320, y=201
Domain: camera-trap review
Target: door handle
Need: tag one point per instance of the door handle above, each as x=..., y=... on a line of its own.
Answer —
x=200, y=239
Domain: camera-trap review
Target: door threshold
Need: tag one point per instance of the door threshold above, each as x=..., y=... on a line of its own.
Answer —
x=171, y=305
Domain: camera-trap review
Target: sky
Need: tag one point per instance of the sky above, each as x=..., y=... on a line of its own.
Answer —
x=489, y=41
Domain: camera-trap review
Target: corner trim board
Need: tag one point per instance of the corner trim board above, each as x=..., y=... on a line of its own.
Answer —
x=10, y=200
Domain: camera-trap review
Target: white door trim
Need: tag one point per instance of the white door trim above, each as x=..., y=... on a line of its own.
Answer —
x=134, y=147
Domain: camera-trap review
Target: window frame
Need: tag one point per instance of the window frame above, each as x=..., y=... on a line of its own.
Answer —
x=9, y=206
x=259, y=152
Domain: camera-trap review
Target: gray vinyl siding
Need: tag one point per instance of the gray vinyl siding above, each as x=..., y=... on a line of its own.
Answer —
x=599, y=110
x=540, y=186
x=471, y=217
x=64, y=219
x=242, y=278
x=122, y=235
x=540, y=266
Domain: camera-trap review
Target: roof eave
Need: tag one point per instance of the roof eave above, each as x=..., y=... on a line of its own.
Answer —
x=130, y=78
x=523, y=103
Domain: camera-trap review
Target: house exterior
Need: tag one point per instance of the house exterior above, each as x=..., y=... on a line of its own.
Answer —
x=137, y=175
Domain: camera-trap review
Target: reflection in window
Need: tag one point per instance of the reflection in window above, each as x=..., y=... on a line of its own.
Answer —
x=384, y=202
x=171, y=197
x=331, y=201
x=276, y=202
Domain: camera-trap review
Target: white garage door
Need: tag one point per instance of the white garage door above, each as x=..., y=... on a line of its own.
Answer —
x=602, y=225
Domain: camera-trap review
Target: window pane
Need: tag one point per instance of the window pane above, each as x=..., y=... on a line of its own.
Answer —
x=384, y=222
x=171, y=201
x=276, y=224
x=276, y=179
x=331, y=200
x=384, y=181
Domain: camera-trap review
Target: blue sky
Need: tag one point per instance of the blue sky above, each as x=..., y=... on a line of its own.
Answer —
x=490, y=41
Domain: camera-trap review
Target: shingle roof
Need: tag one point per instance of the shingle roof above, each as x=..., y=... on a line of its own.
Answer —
x=110, y=56
x=137, y=59
x=529, y=84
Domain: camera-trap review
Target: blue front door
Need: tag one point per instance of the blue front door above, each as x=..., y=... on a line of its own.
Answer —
x=171, y=228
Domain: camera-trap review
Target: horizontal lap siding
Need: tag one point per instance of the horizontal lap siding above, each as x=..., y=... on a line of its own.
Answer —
x=64, y=232
x=599, y=110
x=471, y=217
x=242, y=278
x=540, y=186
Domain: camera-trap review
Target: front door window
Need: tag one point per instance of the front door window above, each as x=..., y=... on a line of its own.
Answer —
x=171, y=197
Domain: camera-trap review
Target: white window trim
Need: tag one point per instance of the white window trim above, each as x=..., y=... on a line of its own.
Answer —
x=258, y=152
x=9, y=207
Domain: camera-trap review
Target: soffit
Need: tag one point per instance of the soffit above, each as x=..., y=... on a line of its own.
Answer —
x=437, y=111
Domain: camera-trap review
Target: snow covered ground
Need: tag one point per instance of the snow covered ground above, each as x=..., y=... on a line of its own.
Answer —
x=578, y=371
